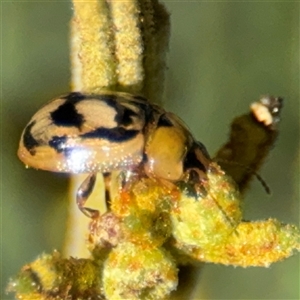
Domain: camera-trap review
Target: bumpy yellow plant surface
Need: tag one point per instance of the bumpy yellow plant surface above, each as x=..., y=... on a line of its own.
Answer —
x=152, y=229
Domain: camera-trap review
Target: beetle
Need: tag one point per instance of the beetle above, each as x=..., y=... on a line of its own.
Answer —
x=91, y=133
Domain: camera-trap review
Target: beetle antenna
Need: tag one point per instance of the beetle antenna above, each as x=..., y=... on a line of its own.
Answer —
x=228, y=219
x=249, y=170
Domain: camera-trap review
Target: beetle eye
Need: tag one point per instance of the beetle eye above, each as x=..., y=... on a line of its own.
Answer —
x=197, y=157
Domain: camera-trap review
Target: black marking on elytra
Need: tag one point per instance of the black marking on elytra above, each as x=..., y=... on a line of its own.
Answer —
x=117, y=101
x=123, y=113
x=58, y=143
x=116, y=134
x=28, y=140
x=67, y=115
x=74, y=97
x=110, y=100
x=124, y=116
x=164, y=121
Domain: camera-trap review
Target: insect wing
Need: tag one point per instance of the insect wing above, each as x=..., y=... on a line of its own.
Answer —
x=83, y=133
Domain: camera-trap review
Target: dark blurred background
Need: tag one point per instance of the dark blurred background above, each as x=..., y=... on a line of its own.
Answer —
x=222, y=57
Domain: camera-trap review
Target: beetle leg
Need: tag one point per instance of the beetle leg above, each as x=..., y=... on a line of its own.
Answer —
x=83, y=193
x=107, y=181
x=196, y=180
x=196, y=165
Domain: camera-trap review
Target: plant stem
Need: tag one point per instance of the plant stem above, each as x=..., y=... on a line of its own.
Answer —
x=116, y=46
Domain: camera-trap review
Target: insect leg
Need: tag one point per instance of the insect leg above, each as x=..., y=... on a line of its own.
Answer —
x=196, y=165
x=83, y=193
x=107, y=182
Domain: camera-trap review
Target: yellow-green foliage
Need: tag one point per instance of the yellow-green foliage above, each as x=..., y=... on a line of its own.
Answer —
x=139, y=272
x=53, y=277
x=152, y=229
